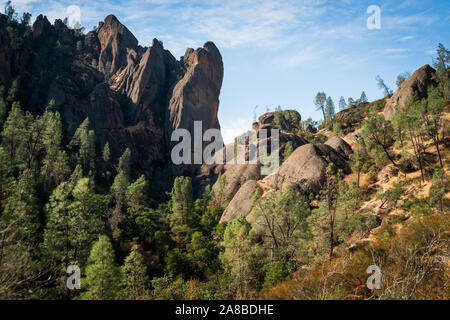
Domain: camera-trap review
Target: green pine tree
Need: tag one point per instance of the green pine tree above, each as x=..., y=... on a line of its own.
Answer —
x=102, y=280
x=182, y=206
x=134, y=276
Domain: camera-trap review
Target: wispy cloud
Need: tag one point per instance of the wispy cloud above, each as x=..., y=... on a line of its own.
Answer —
x=395, y=50
x=406, y=38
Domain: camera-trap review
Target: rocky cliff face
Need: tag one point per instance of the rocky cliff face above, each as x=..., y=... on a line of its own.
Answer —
x=134, y=96
x=196, y=96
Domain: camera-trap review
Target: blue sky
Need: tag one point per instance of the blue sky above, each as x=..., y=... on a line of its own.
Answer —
x=281, y=52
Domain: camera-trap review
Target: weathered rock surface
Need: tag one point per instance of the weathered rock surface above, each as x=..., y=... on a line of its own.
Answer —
x=237, y=175
x=340, y=146
x=417, y=83
x=134, y=96
x=242, y=202
x=196, y=96
x=115, y=42
x=305, y=169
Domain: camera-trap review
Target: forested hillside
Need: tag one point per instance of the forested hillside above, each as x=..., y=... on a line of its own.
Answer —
x=81, y=186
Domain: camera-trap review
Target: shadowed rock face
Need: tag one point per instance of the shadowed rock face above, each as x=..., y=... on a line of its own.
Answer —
x=115, y=42
x=134, y=96
x=196, y=96
x=340, y=146
x=162, y=94
x=417, y=83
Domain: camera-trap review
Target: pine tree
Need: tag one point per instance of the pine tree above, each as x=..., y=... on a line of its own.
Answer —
x=21, y=208
x=431, y=114
x=118, y=190
x=342, y=103
x=135, y=194
x=84, y=139
x=402, y=77
x=439, y=188
x=134, y=276
x=106, y=154
x=6, y=171
x=337, y=129
x=363, y=98
x=381, y=85
x=236, y=250
x=408, y=119
x=55, y=165
x=378, y=133
x=14, y=131
x=182, y=206
x=34, y=132
x=319, y=101
x=125, y=163
x=73, y=224
x=351, y=102
x=218, y=193
x=329, y=110
x=102, y=280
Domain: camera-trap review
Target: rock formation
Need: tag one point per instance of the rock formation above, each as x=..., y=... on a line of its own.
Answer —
x=417, y=83
x=134, y=96
x=339, y=145
x=305, y=169
x=242, y=202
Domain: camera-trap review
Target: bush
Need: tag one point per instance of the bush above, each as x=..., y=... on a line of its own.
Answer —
x=417, y=207
x=275, y=272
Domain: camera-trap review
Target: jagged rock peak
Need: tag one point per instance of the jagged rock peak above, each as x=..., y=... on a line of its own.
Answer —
x=41, y=26
x=115, y=40
x=196, y=96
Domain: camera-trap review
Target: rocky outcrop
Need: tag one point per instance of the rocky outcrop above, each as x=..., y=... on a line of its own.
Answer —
x=287, y=120
x=342, y=147
x=115, y=42
x=134, y=96
x=236, y=175
x=305, y=169
x=41, y=26
x=417, y=83
x=242, y=202
x=196, y=96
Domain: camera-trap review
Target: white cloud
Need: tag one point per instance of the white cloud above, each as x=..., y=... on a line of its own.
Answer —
x=406, y=38
x=395, y=50
x=231, y=128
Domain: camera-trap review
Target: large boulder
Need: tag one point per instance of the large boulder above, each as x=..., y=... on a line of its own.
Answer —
x=340, y=146
x=417, y=83
x=236, y=175
x=242, y=202
x=305, y=169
